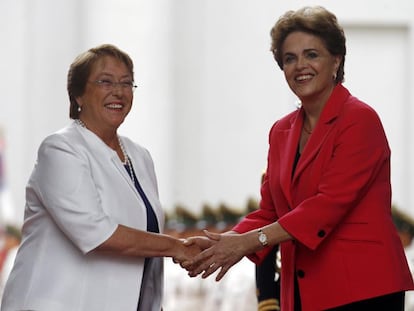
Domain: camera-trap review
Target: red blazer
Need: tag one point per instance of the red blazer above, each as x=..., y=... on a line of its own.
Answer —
x=336, y=205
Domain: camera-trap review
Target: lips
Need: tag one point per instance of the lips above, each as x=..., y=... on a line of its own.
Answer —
x=114, y=106
x=303, y=77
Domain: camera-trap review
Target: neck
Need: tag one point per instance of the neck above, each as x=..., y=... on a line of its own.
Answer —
x=313, y=105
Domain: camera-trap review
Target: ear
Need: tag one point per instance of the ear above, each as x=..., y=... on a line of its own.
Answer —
x=79, y=101
x=337, y=62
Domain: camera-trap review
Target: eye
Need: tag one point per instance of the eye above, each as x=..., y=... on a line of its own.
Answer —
x=288, y=59
x=126, y=84
x=312, y=55
x=105, y=83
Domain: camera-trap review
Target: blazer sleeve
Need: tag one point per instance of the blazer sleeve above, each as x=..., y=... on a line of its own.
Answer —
x=63, y=183
x=265, y=215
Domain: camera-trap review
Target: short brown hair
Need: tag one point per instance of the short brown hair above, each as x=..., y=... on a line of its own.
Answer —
x=314, y=20
x=81, y=67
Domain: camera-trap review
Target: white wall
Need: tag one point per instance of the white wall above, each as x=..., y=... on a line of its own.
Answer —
x=378, y=74
x=209, y=89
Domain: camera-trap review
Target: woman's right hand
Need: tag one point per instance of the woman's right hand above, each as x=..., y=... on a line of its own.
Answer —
x=190, y=248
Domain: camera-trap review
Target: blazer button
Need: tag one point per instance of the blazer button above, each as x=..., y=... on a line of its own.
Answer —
x=300, y=274
x=321, y=233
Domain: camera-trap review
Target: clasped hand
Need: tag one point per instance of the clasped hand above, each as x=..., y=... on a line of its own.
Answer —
x=216, y=251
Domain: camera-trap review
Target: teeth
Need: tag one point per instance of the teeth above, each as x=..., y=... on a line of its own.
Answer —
x=114, y=106
x=305, y=77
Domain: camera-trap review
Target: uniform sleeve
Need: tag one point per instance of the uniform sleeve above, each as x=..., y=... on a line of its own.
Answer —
x=63, y=183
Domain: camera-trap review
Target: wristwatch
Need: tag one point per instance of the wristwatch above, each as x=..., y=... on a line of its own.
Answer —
x=262, y=237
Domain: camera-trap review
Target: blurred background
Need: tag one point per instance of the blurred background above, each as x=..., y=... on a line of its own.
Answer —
x=208, y=88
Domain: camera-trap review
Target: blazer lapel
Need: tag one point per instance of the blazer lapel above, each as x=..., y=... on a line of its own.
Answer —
x=101, y=151
x=312, y=147
x=287, y=144
x=118, y=164
x=322, y=129
x=146, y=177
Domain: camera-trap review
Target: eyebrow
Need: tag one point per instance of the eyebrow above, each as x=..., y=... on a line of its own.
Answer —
x=104, y=73
x=305, y=51
x=311, y=50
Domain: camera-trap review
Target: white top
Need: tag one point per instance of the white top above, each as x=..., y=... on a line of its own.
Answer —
x=78, y=193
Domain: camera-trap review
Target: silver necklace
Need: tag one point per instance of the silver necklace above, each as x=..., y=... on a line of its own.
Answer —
x=126, y=161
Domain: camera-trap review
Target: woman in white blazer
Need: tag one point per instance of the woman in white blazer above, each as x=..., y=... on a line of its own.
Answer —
x=92, y=230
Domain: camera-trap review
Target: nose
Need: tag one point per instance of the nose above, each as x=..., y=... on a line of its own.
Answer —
x=302, y=62
x=117, y=88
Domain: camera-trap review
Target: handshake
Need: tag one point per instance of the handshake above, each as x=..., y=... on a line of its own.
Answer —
x=206, y=254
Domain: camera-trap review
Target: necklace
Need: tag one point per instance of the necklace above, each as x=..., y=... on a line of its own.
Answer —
x=306, y=130
x=80, y=123
x=126, y=161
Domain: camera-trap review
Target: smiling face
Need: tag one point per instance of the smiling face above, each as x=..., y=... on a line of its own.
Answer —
x=104, y=109
x=309, y=68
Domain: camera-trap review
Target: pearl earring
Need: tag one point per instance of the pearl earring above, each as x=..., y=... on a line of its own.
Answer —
x=79, y=108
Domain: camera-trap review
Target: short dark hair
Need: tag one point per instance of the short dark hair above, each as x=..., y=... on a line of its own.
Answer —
x=314, y=20
x=81, y=67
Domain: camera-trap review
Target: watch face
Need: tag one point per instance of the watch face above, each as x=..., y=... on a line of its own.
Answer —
x=263, y=238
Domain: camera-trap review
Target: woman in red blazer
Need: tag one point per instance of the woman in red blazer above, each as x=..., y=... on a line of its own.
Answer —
x=326, y=196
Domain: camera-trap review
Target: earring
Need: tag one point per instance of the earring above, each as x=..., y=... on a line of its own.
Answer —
x=79, y=108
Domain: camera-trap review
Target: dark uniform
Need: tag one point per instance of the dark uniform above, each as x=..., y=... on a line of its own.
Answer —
x=268, y=282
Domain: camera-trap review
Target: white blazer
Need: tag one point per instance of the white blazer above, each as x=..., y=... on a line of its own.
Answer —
x=77, y=195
